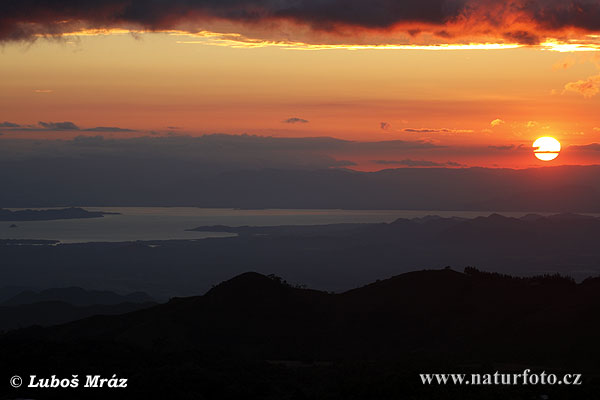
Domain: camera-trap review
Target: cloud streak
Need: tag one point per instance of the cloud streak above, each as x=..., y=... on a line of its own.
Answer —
x=65, y=126
x=108, y=129
x=497, y=122
x=417, y=163
x=510, y=147
x=527, y=22
x=437, y=130
x=503, y=147
x=586, y=147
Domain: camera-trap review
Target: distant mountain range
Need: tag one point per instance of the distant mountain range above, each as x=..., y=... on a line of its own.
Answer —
x=429, y=223
x=19, y=309
x=56, y=312
x=75, y=296
x=145, y=182
x=260, y=335
x=51, y=214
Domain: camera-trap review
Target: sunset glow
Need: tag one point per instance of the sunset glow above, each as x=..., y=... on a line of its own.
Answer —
x=272, y=199
x=457, y=91
x=546, y=148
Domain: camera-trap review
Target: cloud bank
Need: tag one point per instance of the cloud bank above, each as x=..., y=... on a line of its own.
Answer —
x=7, y=124
x=449, y=21
x=65, y=126
x=209, y=152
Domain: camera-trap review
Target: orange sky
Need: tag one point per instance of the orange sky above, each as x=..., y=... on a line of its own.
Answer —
x=193, y=85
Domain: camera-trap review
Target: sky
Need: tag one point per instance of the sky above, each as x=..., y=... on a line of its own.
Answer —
x=458, y=83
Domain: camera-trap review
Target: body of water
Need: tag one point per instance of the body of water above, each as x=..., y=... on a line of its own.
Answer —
x=165, y=223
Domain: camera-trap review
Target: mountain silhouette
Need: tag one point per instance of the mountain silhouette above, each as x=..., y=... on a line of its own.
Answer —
x=261, y=336
x=428, y=310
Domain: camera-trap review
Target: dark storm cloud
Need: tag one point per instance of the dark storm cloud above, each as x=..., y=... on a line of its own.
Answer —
x=296, y=120
x=22, y=19
x=27, y=19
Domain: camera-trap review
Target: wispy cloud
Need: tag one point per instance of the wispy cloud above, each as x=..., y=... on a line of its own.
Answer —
x=497, y=122
x=586, y=87
x=437, y=130
x=532, y=124
x=564, y=64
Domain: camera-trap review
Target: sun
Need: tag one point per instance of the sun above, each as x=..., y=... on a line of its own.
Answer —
x=546, y=148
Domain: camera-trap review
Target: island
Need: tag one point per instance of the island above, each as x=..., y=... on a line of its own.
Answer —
x=50, y=214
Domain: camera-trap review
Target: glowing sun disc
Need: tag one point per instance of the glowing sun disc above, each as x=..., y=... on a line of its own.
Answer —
x=546, y=148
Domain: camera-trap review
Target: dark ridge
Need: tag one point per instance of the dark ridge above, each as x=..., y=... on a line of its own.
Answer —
x=432, y=320
x=263, y=303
